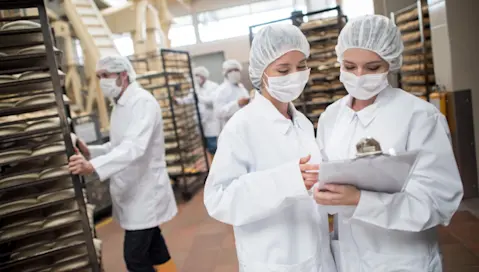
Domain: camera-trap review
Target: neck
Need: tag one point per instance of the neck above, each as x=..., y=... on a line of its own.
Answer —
x=358, y=105
x=280, y=106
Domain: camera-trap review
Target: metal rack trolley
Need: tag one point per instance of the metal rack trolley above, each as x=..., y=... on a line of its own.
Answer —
x=323, y=87
x=35, y=203
x=187, y=164
x=417, y=72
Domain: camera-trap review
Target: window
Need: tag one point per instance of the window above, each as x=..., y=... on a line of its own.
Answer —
x=355, y=8
x=235, y=21
x=124, y=44
x=182, y=31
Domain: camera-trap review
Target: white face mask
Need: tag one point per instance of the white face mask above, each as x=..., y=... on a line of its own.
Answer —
x=289, y=87
x=109, y=87
x=364, y=87
x=234, y=77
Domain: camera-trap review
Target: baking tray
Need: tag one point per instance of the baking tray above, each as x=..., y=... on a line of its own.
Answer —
x=34, y=157
x=38, y=207
x=21, y=37
x=27, y=109
x=39, y=181
x=14, y=64
x=45, y=230
x=31, y=134
x=14, y=263
x=29, y=85
x=35, y=195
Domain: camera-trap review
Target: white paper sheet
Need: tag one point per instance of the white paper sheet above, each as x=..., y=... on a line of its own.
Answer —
x=387, y=174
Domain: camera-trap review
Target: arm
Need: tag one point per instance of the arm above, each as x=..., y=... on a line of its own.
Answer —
x=236, y=195
x=99, y=150
x=134, y=143
x=188, y=99
x=434, y=190
x=226, y=110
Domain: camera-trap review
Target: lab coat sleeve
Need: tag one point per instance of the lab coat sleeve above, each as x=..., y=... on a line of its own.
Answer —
x=228, y=109
x=434, y=190
x=134, y=143
x=99, y=150
x=236, y=195
x=188, y=99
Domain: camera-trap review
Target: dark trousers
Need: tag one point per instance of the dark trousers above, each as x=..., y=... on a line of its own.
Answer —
x=144, y=249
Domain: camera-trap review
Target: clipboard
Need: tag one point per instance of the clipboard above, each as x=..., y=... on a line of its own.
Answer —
x=377, y=173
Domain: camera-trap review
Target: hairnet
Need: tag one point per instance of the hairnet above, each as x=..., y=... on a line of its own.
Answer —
x=376, y=33
x=272, y=42
x=117, y=64
x=202, y=71
x=231, y=64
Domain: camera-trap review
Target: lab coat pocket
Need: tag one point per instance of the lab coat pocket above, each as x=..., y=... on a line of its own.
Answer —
x=312, y=264
x=377, y=262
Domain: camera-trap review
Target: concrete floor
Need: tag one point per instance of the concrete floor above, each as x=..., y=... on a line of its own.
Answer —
x=200, y=244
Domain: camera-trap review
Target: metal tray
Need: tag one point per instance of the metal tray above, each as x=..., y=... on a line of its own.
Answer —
x=29, y=85
x=14, y=64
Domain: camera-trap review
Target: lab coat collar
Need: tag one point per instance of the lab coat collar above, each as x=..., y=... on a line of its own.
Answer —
x=367, y=115
x=269, y=111
x=128, y=93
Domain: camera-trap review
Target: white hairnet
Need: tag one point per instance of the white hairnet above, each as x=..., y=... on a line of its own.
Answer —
x=376, y=33
x=231, y=64
x=117, y=64
x=272, y=42
x=202, y=71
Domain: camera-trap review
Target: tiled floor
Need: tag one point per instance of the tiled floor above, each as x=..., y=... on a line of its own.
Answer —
x=201, y=244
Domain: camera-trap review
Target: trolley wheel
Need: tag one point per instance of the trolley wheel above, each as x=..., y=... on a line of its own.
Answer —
x=186, y=195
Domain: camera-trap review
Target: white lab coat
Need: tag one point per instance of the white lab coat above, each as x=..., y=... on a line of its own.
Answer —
x=394, y=232
x=255, y=184
x=206, y=96
x=226, y=102
x=134, y=160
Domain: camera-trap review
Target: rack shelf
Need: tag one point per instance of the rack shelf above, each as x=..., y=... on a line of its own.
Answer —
x=417, y=72
x=40, y=202
x=185, y=151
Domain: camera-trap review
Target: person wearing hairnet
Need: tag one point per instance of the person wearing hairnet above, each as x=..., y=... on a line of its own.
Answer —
x=134, y=161
x=231, y=96
x=267, y=162
x=206, y=94
x=386, y=231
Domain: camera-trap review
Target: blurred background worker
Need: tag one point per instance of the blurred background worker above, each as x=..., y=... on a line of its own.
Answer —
x=231, y=94
x=134, y=161
x=206, y=93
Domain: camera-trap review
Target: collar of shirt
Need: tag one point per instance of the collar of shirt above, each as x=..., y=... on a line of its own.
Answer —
x=127, y=94
x=366, y=115
x=267, y=110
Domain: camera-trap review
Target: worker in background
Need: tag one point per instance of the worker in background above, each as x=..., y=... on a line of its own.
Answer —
x=231, y=94
x=206, y=94
x=386, y=231
x=267, y=162
x=134, y=161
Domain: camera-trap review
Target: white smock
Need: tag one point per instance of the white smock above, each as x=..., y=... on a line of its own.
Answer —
x=226, y=102
x=134, y=161
x=255, y=184
x=206, y=97
x=394, y=232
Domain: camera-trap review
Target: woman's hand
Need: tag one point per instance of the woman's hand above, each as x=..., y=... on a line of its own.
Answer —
x=335, y=194
x=309, y=177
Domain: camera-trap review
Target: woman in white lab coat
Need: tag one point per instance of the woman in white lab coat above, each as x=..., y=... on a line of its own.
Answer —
x=258, y=181
x=380, y=231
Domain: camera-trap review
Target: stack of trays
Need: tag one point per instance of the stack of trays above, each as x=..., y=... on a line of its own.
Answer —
x=182, y=134
x=417, y=72
x=324, y=86
x=40, y=221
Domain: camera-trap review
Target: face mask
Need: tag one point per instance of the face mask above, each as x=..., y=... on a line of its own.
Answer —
x=364, y=87
x=109, y=87
x=289, y=87
x=234, y=77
